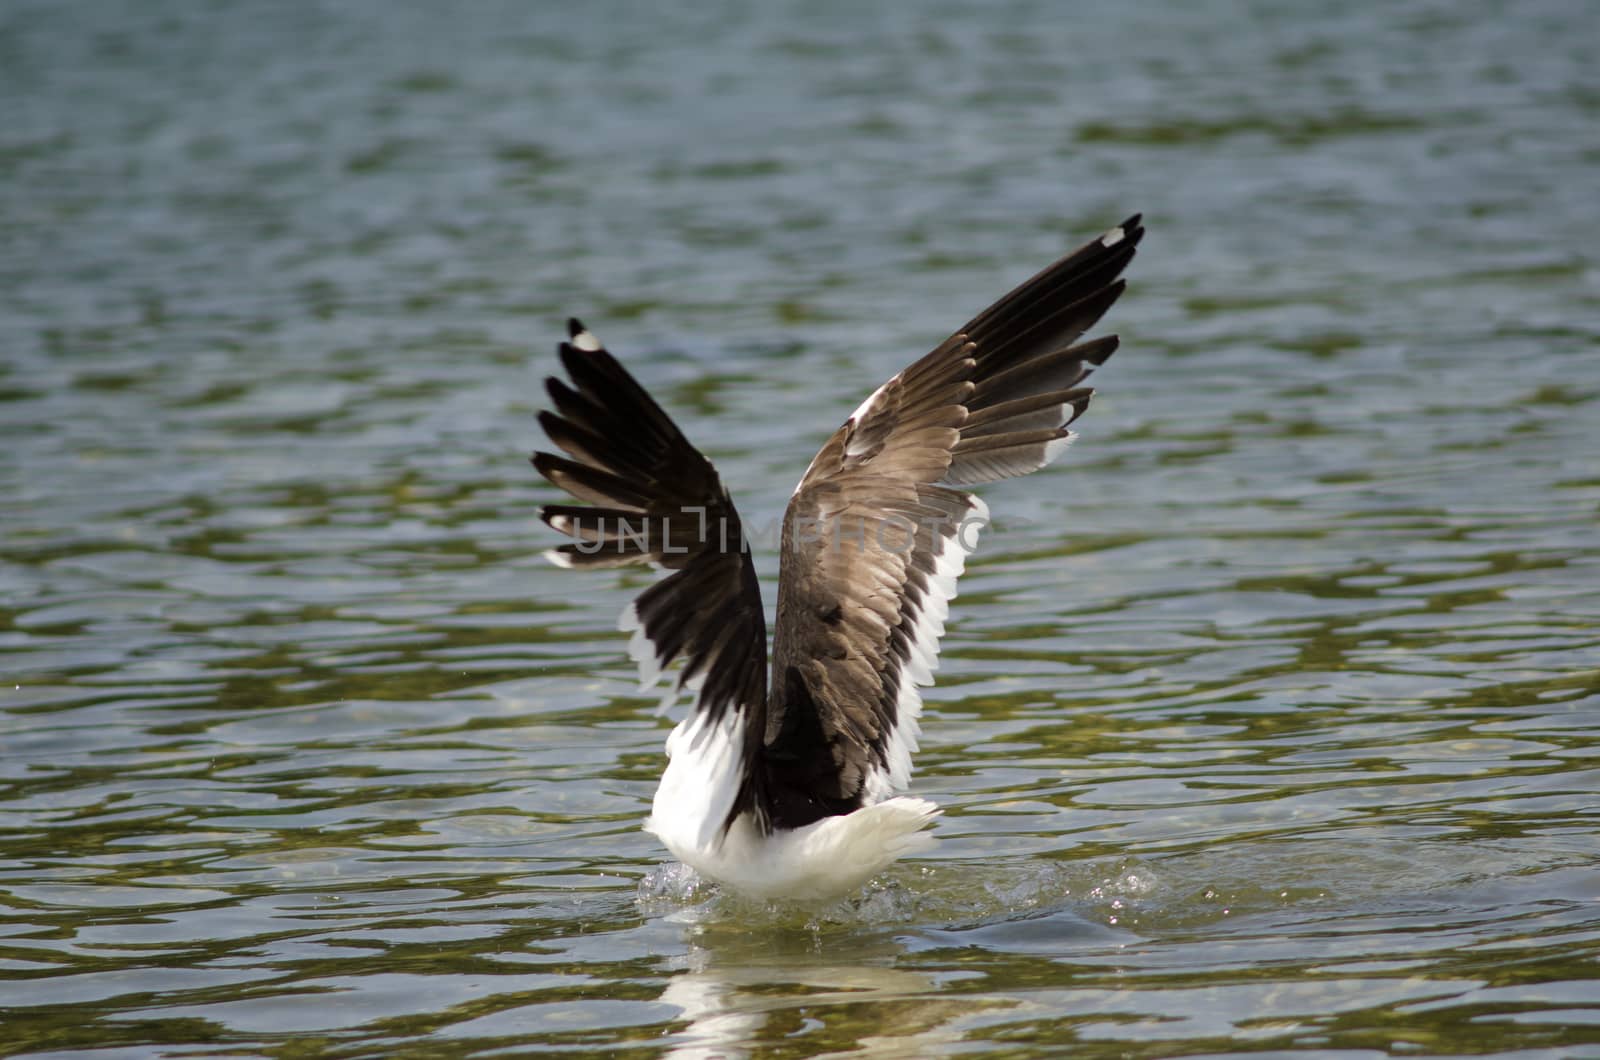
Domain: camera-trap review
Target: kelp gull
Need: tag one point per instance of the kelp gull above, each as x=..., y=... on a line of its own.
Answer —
x=789, y=788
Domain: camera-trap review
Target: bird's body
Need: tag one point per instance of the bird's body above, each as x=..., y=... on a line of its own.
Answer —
x=790, y=788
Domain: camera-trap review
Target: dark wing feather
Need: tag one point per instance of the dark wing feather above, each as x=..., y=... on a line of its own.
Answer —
x=653, y=498
x=860, y=609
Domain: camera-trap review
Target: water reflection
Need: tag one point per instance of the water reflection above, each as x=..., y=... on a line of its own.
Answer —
x=732, y=1008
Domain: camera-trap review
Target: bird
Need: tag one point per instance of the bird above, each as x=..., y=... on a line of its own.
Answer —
x=786, y=778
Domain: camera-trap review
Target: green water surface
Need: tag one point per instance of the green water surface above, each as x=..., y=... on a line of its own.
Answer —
x=1267, y=720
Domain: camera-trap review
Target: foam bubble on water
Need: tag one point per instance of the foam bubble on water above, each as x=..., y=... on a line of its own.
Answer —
x=672, y=884
x=1117, y=893
x=676, y=892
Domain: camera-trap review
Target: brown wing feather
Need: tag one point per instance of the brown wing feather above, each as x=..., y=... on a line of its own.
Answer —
x=859, y=614
x=654, y=498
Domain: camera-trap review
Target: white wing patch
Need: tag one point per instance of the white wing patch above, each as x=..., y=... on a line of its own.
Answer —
x=705, y=767
x=642, y=650
x=1057, y=447
x=872, y=399
x=926, y=628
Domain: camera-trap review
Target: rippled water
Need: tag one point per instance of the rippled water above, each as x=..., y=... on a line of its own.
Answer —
x=1267, y=719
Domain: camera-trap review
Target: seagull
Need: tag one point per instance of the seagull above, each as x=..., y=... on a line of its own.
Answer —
x=789, y=786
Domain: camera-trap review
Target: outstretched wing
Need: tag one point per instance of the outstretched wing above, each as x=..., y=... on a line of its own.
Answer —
x=653, y=498
x=875, y=535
